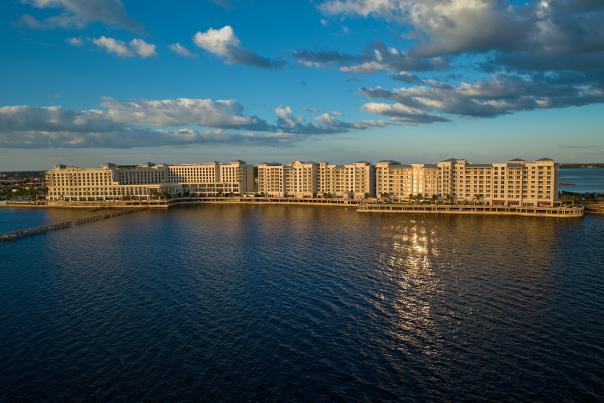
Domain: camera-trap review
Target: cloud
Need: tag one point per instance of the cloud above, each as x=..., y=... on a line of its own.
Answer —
x=142, y=48
x=499, y=95
x=181, y=50
x=224, y=43
x=79, y=13
x=156, y=123
x=402, y=113
x=534, y=36
x=535, y=55
x=577, y=146
x=113, y=46
x=136, y=47
x=377, y=57
x=286, y=117
x=405, y=77
x=75, y=41
x=443, y=26
x=183, y=111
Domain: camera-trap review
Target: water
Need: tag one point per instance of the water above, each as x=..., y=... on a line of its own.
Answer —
x=304, y=303
x=12, y=219
x=586, y=180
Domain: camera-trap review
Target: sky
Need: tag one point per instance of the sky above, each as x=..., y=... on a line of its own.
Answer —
x=90, y=81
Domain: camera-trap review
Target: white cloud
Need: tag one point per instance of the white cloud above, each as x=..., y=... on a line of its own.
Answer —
x=142, y=48
x=136, y=47
x=182, y=111
x=224, y=43
x=220, y=42
x=112, y=45
x=74, y=41
x=286, y=117
x=157, y=122
x=181, y=50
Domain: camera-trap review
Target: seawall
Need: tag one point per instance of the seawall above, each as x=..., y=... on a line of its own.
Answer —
x=361, y=206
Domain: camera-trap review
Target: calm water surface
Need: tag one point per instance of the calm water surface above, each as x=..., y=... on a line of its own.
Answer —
x=303, y=303
x=585, y=180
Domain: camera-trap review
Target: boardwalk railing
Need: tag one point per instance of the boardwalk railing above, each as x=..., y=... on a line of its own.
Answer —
x=22, y=233
x=531, y=211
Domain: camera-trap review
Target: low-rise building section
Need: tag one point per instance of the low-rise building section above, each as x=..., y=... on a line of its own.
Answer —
x=514, y=183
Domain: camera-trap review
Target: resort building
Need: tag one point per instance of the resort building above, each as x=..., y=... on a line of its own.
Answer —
x=271, y=179
x=354, y=181
x=117, y=182
x=213, y=178
x=295, y=179
x=515, y=182
x=512, y=183
x=301, y=179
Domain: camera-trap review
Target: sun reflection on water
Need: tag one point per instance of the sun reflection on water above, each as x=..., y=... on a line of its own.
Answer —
x=407, y=259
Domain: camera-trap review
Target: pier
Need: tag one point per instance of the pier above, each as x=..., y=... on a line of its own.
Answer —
x=23, y=233
x=361, y=206
x=527, y=211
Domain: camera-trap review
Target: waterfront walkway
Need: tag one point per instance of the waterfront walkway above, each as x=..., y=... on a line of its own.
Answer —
x=564, y=212
x=361, y=206
x=26, y=232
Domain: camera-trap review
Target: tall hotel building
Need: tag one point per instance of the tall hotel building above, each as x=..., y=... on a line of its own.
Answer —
x=309, y=179
x=355, y=180
x=115, y=182
x=515, y=182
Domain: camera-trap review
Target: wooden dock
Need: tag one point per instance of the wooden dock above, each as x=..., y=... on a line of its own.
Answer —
x=26, y=232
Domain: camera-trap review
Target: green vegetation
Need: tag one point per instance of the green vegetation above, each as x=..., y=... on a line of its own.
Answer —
x=22, y=186
x=572, y=198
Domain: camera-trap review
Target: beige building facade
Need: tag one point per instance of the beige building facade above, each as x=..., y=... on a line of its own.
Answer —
x=355, y=180
x=146, y=181
x=514, y=182
x=309, y=179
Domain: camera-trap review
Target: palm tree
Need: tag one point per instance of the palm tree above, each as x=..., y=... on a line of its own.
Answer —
x=478, y=199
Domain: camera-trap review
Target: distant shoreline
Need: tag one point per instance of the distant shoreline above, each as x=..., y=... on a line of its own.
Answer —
x=582, y=166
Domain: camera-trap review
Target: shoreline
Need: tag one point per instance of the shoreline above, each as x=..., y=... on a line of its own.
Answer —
x=358, y=205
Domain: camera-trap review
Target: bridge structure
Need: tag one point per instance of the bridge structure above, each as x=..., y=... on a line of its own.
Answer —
x=27, y=232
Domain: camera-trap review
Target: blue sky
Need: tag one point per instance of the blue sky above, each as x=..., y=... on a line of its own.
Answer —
x=339, y=80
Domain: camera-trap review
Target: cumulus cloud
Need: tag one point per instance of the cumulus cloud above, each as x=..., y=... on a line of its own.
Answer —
x=542, y=54
x=537, y=35
x=286, y=116
x=182, y=111
x=443, y=26
x=226, y=45
x=181, y=50
x=79, y=13
x=142, y=48
x=158, y=122
x=136, y=47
